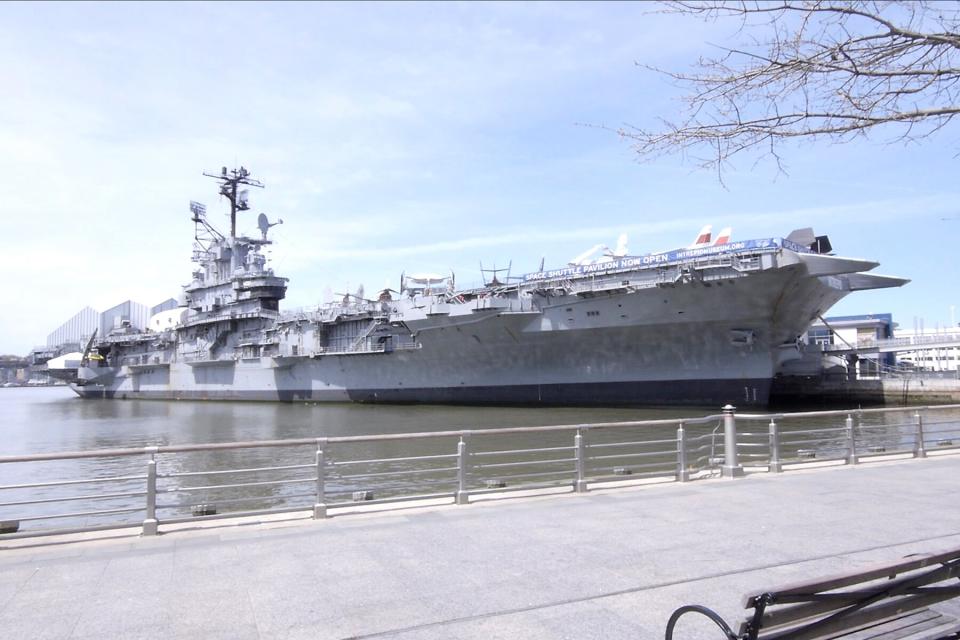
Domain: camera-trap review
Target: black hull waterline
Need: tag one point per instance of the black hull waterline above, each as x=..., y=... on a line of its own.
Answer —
x=745, y=392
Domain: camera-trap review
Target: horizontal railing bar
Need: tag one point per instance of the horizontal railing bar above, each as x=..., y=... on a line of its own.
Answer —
x=886, y=452
x=185, y=474
x=883, y=443
x=497, y=465
x=792, y=432
x=514, y=476
x=73, y=455
x=703, y=449
x=82, y=514
x=948, y=432
x=645, y=465
x=843, y=412
x=805, y=461
x=817, y=450
x=448, y=490
x=103, y=496
x=237, y=485
x=64, y=483
x=784, y=441
x=752, y=444
x=524, y=487
x=641, y=474
x=236, y=514
x=218, y=502
x=480, y=454
x=706, y=436
x=602, y=445
x=391, y=473
x=424, y=496
x=886, y=427
x=644, y=454
x=40, y=533
x=406, y=459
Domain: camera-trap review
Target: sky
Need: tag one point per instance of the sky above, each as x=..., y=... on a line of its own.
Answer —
x=403, y=138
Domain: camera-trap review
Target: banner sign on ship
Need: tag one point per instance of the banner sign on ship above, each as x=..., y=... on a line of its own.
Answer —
x=663, y=258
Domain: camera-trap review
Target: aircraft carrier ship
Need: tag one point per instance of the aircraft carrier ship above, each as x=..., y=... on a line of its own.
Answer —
x=703, y=325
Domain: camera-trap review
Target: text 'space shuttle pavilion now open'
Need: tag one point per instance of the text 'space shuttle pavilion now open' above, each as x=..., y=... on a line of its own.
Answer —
x=705, y=325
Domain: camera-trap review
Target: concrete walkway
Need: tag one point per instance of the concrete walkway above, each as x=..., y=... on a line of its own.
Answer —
x=610, y=564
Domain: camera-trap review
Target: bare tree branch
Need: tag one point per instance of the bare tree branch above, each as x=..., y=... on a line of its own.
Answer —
x=812, y=69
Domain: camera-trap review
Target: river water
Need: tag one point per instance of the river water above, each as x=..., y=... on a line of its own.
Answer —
x=53, y=419
x=49, y=419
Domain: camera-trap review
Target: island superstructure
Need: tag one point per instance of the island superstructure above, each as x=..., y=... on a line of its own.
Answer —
x=705, y=325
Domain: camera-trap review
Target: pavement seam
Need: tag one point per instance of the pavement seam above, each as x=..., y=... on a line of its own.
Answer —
x=103, y=572
x=620, y=592
x=19, y=589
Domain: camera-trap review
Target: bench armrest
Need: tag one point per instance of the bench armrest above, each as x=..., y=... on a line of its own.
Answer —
x=696, y=608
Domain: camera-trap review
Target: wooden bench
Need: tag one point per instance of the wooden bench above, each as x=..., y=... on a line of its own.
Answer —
x=888, y=602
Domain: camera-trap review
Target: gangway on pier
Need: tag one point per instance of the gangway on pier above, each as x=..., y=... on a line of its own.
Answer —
x=896, y=345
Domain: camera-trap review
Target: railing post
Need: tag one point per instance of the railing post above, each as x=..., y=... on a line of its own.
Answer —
x=320, y=506
x=462, y=496
x=150, y=524
x=580, y=446
x=920, y=448
x=776, y=465
x=683, y=473
x=851, y=442
x=731, y=462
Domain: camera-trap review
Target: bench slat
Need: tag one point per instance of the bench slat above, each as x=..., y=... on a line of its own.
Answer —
x=845, y=580
x=884, y=610
x=777, y=615
x=906, y=627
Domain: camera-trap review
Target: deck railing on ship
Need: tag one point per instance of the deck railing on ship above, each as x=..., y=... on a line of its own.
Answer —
x=154, y=487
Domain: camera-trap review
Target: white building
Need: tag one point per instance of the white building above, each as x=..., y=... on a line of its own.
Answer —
x=937, y=359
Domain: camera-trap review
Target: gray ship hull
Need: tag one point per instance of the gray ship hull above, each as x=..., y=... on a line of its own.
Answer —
x=657, y=346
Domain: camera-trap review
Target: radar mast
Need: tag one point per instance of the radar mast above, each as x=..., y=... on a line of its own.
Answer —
x=230, y=182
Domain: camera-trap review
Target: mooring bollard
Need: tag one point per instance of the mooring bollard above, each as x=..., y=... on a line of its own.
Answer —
x=580, y=448
x=320, y=506
x=683, y=473
x=150, y=524
x=731, y=462
x=462, y=496
x=776, y=465
x=920, y=448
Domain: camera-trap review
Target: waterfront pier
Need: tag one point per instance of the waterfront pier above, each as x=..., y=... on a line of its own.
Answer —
x=612, y=563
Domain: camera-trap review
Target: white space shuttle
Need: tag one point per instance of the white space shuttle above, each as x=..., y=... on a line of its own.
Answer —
x=584, y=258
x=609, y=255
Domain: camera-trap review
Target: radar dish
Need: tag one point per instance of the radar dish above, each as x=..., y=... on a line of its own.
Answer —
x=264, y=224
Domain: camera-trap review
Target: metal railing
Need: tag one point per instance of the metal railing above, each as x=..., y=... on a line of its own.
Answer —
x=149, y=487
